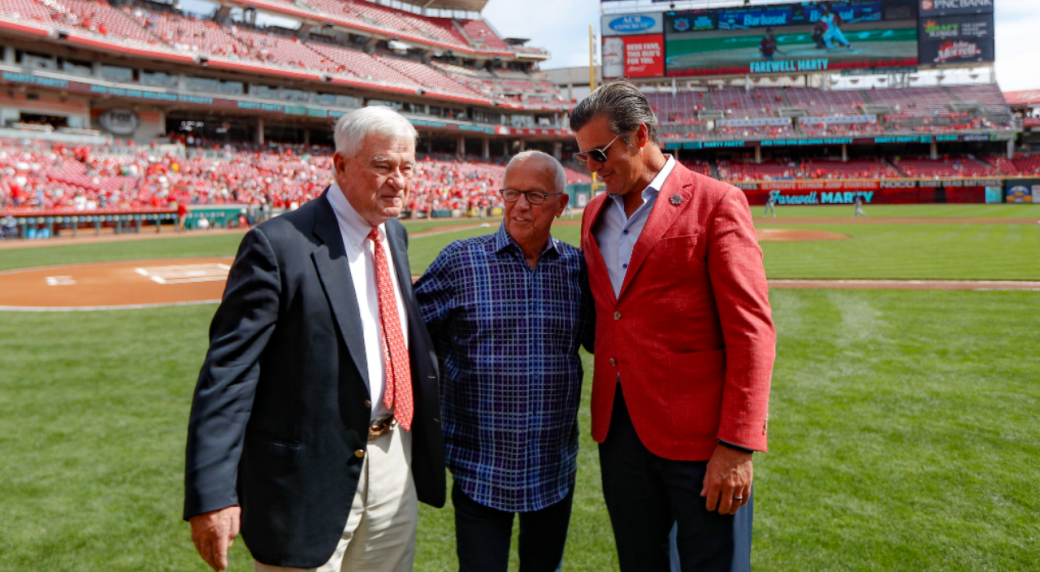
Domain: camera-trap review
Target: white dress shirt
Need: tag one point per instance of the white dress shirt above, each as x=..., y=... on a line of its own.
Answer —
x=616, y=233
x=361, y=257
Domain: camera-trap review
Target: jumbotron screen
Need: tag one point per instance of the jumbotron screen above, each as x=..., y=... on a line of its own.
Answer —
x=791, y=38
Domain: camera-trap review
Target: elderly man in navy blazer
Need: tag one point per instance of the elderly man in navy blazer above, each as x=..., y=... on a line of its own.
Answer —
x=315, y=426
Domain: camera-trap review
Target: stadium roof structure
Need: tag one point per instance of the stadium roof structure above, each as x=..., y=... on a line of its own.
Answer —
x=1028, y=97
x=467, y=5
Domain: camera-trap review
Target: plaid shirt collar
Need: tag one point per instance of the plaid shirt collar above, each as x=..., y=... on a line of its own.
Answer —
x=503, y=242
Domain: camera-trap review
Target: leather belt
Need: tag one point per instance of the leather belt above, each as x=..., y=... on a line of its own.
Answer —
x=378, y=428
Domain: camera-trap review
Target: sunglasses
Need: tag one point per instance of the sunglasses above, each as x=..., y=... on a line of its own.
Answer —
x=597, y=155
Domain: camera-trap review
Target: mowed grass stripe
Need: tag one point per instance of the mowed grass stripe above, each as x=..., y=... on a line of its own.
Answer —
x=902, y=426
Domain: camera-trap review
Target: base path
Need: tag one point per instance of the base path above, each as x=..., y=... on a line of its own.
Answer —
x=110, y=285
x=180, y=281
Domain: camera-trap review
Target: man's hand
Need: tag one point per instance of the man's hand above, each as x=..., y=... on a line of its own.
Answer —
x=214, y=532
x=727, y=483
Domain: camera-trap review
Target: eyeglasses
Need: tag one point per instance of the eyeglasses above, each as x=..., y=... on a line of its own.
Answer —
x=597, y=155
x=533, y=197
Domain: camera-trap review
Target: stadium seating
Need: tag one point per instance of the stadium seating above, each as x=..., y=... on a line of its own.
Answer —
x=739, y=171
x=83, y=179
x=481, y=33
x=1027, y=164
x=987, y=95
x=1002, y=164
x=949, y=167
x=852, y=169
x=917, y=101
x=740, y=104
x=201, y=36
x=430, y=77
x=821, y=103
x=363, y=66
x=701, y=167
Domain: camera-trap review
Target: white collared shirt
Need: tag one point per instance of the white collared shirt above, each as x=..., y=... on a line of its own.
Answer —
x=616, y=233
x=361, y=258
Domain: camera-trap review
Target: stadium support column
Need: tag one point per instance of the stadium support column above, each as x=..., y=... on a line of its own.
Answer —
x=844, y=153
x=485, y=150
x=460, y=148
x=259, y=130
x=523, y=146
x=9, y=56
x=1011, y=149
x=934, y=152
x=758, y=154
x=558, y=150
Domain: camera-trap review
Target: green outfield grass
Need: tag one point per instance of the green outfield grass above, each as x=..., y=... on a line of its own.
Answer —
x=903, y=423
x=906, y=211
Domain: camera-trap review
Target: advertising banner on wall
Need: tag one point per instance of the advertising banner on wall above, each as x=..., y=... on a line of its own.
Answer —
x=788, y=39
x=633, y=56
x=954, y=7
x=628, y=24
x=1023, y=192
x=956, y=52
x=976, y=27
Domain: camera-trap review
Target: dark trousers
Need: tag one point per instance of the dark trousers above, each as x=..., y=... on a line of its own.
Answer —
x=646, y=494
x=483, y=535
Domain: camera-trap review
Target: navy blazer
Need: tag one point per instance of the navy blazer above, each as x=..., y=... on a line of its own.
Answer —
x=282, y=402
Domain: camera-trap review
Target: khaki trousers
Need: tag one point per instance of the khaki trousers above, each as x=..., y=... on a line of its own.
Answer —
x=380, y=531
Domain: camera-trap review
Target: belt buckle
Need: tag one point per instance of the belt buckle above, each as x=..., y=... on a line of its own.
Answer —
x=377, y=429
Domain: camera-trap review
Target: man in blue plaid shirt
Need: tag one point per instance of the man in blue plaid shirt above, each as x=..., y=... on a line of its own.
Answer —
x=508, y=313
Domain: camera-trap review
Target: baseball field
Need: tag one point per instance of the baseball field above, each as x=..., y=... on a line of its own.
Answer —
x=903, y=423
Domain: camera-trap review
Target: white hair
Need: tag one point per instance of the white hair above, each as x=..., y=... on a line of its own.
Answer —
x=352, y=128
x=560, y=175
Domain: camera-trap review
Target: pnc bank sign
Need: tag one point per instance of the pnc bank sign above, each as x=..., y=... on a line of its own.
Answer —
x=957, y=5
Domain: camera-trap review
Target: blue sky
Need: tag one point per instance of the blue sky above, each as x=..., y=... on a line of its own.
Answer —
x=562, y=26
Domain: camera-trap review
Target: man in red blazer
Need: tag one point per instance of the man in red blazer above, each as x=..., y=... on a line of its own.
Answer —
x=684, y=343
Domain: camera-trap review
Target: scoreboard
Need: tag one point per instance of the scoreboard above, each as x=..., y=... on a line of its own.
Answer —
x=797, y=38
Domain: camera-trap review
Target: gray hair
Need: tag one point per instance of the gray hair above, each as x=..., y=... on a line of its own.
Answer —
x=559, y=175
x=352, y=128
x=624, y=106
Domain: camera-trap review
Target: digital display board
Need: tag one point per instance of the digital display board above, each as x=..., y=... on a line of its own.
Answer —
x=791, y=38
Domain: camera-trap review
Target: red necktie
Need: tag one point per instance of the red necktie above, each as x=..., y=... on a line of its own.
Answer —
x=398, y=392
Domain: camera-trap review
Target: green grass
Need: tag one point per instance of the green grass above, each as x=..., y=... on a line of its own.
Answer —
x=903, y=436
x=907, y=211
x=903, y=423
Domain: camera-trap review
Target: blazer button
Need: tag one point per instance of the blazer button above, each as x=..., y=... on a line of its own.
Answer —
x=613, y=362
x=368, y=403
x=359, y=453
x=617, y=315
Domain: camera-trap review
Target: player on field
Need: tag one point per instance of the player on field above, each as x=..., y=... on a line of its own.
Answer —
x=770, y=205
x=768, y=46
x=858, y=203
x=833, y=31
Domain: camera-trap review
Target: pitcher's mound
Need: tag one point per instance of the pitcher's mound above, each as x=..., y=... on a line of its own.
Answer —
x=140, y=283
x=795, y=235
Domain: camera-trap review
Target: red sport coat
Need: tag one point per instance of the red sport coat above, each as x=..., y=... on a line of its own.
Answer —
x=691, y=333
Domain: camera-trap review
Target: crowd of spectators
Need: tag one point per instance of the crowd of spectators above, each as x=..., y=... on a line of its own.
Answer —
x=81, y=179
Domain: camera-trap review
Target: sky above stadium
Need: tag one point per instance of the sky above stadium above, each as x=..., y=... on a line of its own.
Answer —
x=562, y=26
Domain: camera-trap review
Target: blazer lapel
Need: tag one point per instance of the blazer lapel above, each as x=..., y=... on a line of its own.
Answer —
x=330, y=260
x=661, y=218
x=598, y=275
